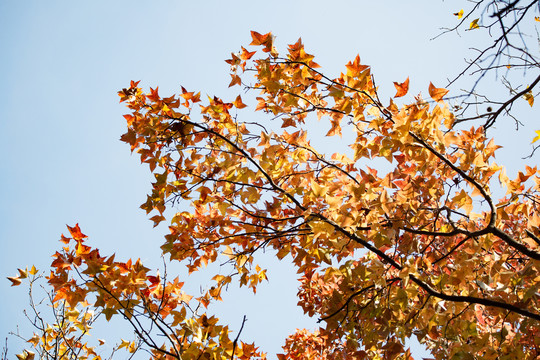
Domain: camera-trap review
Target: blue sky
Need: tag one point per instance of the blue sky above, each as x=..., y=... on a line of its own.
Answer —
x=62, y=63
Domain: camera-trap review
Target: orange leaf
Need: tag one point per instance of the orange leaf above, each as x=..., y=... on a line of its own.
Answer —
x=236, y=80
x=15, y=281
x=354, y=68
x=437, y=93
x=238, y=103
x=82, y=249
x=76, y=232
x=246, y=55
x=153, y=95
x=157, y=219
x=402, y=88
x=262, y=39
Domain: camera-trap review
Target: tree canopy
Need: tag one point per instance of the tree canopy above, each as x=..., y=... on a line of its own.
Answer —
x=409, y=230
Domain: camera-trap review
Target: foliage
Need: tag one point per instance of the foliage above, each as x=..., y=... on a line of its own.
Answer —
x=421, y=246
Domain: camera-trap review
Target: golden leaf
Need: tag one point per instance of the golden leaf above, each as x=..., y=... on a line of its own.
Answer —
x=537, y=136
x=529, y=97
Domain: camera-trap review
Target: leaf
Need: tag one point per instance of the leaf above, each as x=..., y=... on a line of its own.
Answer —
x=238, y=103
x=33, y=270
x=529, y=97
x=436, y=93
x=23, y=274
x=402, y=88
x=109, y=312
x=459, y=14
x=157, y=219
x=355, y=68
x=236, y=80
x=26, y=355
x=537, y=136
x=263, y=39
x=474, y=24
x=246, y=55
x=76, y=232
x=318, y=190
x=15, y=281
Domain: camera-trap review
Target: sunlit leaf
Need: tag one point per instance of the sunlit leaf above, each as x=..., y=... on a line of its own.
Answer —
x=402, y=88
x=238, y=103
x=437, y=94
x=15, y=281
x=529, y=97
x=474, y=24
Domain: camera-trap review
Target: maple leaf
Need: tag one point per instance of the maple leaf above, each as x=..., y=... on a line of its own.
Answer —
x=402, y=88
x=529, y=97
x=474, y=24
x=238, y=103
x=76, y=232
x=33, y=270
x=153, y=95
x=354, y=68
x=15, y=281
x=246, y=55
x=459, y=14
x=537, y=137
x=437, y=94
x=266, y=40
x=236, y=80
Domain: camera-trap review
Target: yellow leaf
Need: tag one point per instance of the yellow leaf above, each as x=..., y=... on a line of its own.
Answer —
x=34, y=340
x=537, y=18
x=474, y=24
x=33, y=270
x=459, y=14
x=529, y=97
x=537, y=136
x=319, y=190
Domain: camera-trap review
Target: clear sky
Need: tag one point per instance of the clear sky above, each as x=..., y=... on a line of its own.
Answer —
x=61, y=64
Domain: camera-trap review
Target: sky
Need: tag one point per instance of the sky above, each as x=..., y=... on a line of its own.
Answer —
x=61, y=65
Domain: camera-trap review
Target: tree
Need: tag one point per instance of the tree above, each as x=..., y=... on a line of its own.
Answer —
x=401, y=235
